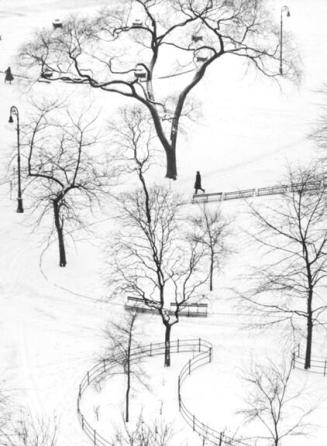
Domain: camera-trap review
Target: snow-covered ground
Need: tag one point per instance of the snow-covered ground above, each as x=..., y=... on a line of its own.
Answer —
x=52, y=319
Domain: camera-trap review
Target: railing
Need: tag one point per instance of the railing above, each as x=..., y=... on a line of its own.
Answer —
x=318, y=366
x=203, y=350
x=257, y=192
x=218, y=438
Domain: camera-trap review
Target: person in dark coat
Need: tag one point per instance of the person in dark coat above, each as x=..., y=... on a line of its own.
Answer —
x=8, y=75
x=197, y=184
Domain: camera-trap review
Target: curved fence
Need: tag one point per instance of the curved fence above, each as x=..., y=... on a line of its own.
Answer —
x=318, y=366
x=202, y=355
x=208, y=434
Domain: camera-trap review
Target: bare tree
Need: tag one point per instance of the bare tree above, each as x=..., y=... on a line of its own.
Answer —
x=127, y=49
x=120, y=352
x=273, y=407
x=27, y=430
x=64, y=178
x=157, y=433
x=210, y=229
x=293, y=234
x=151, y=257
x=4, y=412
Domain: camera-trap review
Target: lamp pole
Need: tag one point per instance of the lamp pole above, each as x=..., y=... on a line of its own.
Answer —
x=14, y=112
x=288, y=14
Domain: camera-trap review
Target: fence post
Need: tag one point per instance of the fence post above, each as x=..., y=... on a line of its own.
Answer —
x=177, y=345
x=210, y=354
x=325, y=368
x=199, y=344
x=298, y=350
x=179, y=402
x=104, y=365
x=293, y=360
x=193, y=423
x=189, y=367
x=88, y=378
x=94, y=437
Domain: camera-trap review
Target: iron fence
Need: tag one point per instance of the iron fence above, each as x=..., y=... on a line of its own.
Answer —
x=202, y=355
x=318, y=366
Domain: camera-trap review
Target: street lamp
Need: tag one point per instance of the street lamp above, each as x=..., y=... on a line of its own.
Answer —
x=14, y=112
x=288, y=14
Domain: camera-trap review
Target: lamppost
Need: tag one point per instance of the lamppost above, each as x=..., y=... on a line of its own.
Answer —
x=288, y=14
x=14, y=112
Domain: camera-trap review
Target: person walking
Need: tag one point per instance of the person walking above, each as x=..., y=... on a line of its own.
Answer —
x=8, y=75
x=197, y=184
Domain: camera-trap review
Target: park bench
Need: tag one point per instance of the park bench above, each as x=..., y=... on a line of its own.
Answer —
x=191, y=309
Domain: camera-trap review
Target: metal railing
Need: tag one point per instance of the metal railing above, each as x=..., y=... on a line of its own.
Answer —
x=218, y=438
x=318, y=366
x=257, y=192
x=202, y=355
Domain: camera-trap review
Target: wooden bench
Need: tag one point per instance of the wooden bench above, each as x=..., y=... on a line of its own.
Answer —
x=191, y=309
x=138, y=305
x=195, y=309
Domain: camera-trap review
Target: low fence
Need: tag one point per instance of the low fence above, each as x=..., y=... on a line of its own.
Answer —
x=257, y=192
x=202, y=355
x=318, y=366
x=218, y=438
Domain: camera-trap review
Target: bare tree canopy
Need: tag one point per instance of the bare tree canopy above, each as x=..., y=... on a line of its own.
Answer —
x=121, y=338
x=273, y=405
x=210, y=229
x=292, y=233
x=157, y=433
x=24, y=429
x=152, y=259
x=65, y=173
x=132, y=47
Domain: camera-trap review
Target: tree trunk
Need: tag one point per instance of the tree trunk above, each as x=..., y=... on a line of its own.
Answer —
x=167, y=345
x=128, y=366
x=171, y=164
x=211, y=273
x=60, y=233
x=127, y=391
x=307, y=363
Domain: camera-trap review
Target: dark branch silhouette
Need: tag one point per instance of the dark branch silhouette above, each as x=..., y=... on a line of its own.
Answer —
x=63, y=177
x=293, y=235
x=152, y=257
x=125, y=50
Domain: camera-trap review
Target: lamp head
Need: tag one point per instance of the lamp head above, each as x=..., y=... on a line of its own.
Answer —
x=286, y=9
x=11, y=119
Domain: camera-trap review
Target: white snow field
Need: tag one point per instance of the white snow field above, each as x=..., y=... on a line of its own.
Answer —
x=52, y=318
